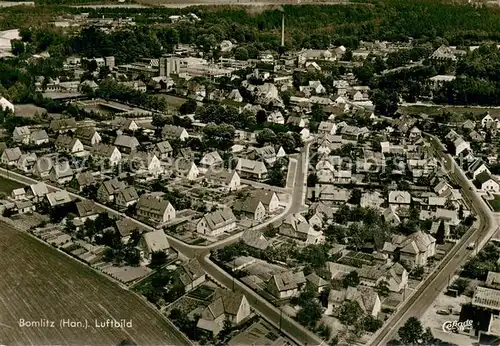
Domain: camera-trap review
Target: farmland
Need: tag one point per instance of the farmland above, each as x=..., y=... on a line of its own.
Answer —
x=40, y=283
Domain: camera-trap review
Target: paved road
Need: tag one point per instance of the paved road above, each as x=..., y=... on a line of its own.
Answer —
x=430, y=288
x=291, y=328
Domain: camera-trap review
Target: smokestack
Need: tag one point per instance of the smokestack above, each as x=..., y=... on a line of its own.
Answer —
x=282, y=28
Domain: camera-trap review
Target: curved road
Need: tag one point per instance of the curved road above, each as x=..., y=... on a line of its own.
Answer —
x=430, y=288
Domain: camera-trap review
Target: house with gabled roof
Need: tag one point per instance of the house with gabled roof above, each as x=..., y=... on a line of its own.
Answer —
x=88, y=136
x=226, y=305
x=397, y=277
x=26, y=162
x=127, y=144
x=187, y=169
x=125, y=227
x=266, y=154
x=191, y=274
x=151, y=242
x=317, y=282
x=37, y=192
x=61, y=173
x=228, y=180
x=163, y=150
x=174, y=132
x=251, y=169
x=84, y=179
x=211, y=160
x=155, y=209
x=39, y=137
x=63, y=125
x=106, y=152
x=400, y=199
x=250, y=207
x=10, y=156
x=485, y=182
x=327, y=128
x=296, y=226
x=414, y=250
x=21, y=134
x=215, y=223
x=126, y=197
x=109, y=189
x=286, y=284
x=255, y=239
x=276, y=117
x=67, y=144
x=86, y=209
x=367, y=299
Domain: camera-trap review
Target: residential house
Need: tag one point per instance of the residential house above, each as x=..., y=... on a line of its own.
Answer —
x=155, y=209
x=400, y=199
x=228, y=180
x=320, y=214
x=296, y=226
x=88, y=136
x=6, y=105
x=67, y=144
x=367, y=299
x=191, y=275
x=86, y=210
x=21, y=134
x=268, y=198
x=286, y=284
x=163, y=150
x=130, y=125
x=327, y=128
x=10, y=156
x=255, y=239
x=18, y=194
x=332, y=194
x=37, y=192
x=297, y=121
x=126, y=197
x=26, y=162
x=146, y=163
x=39, y=137
x=187, y=169
x=151, y=242
x=250, y=207
x=106, y=152
x=251, y=169
x=414, y=250
x=109, y=189
x=486, y=182
x=397, y=277
x=318, y=283
x=61, y=173
x=63, y=125
x=84, y=179
x=126, y=144
x=227, y=305
x=174, y=132
x=211, y=160
x=266, y=154
x=125, y=227
x=215, y=223
x=276, y=117
x=24, y=207
x=58, y=198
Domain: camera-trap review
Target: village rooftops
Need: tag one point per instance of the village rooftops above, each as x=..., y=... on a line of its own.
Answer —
x=156, y=241
x=486, y=298
x=219, y=218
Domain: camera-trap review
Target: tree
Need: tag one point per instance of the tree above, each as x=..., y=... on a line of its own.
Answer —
x=350, y=312
x=266, y=136
x=158, y=258
x=310, y=314
x=351, y=279
x=411, y=332
x=17, y=47
x=241, y=53
x=371, y=324
x=219, y=136
x=460, y=285
x=261, y=116
x=188, y=107
x=383, y=288
x=355, y=196
x=386, y=102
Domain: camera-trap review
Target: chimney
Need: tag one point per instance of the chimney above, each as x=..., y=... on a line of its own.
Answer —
x=282, y=28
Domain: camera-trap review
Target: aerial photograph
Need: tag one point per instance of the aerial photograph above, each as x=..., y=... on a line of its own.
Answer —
x=249, y=172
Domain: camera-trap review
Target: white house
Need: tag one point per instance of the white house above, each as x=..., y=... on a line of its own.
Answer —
x=5, y=104
x=487, y=183
x=156, y=209
x=151, y=242
x=21, y=134
x=215, y=223
x=10, y=156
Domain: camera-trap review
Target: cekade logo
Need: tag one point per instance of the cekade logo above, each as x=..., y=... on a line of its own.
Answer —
x=455, y=326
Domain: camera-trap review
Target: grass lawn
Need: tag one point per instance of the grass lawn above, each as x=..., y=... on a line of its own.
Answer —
x=173, y=101
x=495, y=203
x=7, y=186
x=37, y=282
x=437, y=110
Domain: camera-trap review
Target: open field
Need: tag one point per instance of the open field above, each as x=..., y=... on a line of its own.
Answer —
x=38, y=282
x=7, y=186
